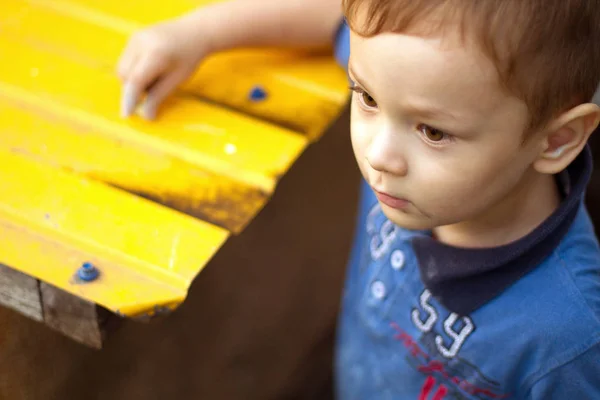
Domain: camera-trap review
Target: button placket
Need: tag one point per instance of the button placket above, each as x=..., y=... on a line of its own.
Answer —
x=378, y=290
x=383, y=287
x=397, y=259
x=384, y=281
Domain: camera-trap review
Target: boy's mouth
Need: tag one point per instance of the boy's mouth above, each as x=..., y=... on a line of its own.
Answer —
x=391, y=201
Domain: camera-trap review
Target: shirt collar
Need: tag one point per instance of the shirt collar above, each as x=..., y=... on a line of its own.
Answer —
x=463, y=280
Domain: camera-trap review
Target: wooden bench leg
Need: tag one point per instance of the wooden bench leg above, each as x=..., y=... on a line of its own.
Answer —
x=70, y=315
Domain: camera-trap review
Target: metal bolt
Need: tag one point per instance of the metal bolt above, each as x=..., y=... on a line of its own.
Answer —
x=257, y=93
x=88, y=272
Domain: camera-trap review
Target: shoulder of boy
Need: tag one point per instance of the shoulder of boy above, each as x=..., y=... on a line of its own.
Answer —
x=579, y=378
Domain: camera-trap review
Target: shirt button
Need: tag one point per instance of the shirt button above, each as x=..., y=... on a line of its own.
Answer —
x=378, y=290
x=397, y=259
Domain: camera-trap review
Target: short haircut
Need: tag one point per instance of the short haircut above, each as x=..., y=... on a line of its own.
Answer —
x=547, y=52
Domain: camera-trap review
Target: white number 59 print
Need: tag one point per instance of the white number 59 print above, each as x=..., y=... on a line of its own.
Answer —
x=426, y=318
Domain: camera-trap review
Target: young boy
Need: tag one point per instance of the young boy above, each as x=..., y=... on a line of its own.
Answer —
x=475, y=270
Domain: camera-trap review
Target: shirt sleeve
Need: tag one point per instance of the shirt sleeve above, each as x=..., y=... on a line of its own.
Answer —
x=578, y=379
x=342, y=44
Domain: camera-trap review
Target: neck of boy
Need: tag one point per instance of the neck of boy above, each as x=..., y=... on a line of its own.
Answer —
x=516, y=215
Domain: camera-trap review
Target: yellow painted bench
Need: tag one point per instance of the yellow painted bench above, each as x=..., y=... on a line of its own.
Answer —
x=147, y=204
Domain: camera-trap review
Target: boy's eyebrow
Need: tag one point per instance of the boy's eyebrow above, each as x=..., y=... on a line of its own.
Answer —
x=357, y=78
x=431, y=112
x=422, y=111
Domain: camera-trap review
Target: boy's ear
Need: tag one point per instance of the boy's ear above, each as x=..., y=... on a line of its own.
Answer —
x=566, y=137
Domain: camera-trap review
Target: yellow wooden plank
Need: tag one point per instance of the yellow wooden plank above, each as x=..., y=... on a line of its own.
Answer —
x=138, y=12
x=214, y=138
x=65, y=152
x=52, y=221
x=61, y=141
x=98, y=43
x=305, y=90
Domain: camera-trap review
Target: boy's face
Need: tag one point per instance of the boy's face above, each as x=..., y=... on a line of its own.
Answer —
x=433, y=132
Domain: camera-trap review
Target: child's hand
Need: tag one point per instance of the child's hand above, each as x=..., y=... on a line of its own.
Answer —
x=159, y=58
x=155, y=61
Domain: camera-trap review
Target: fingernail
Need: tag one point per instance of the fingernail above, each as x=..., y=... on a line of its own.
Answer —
x=128, y=100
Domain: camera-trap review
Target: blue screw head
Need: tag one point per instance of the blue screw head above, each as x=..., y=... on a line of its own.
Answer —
x=88, y=272
x=257, y=93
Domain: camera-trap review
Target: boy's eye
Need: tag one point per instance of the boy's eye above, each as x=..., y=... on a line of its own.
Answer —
x=432, y=134
x=365, y=99
x=368, y=100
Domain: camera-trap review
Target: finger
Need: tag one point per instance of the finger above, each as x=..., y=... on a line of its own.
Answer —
x=147, y=70
x=124, y=67
x=126, y=62
x=159, y=91
x=130, y=97
x=145, y=73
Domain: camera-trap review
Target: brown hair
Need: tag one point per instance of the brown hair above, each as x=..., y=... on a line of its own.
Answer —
x=547, y=52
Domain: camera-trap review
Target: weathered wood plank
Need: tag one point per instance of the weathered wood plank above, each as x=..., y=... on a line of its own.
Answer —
x=71, y=316
x=21, y=293
x=76, y=318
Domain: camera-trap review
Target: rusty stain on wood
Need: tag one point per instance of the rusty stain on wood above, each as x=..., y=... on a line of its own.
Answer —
x=231, y=209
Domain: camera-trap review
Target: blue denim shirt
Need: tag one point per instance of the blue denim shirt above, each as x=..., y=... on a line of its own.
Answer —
x=425, y=321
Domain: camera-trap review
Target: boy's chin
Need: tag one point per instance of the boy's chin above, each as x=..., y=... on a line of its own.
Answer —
x=407, y=220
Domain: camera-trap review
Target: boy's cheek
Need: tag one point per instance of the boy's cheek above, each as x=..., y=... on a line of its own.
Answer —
x=359, y=144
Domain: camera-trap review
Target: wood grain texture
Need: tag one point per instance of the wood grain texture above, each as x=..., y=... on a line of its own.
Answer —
x=71, y=316
x=20, y=292
x=76, y=318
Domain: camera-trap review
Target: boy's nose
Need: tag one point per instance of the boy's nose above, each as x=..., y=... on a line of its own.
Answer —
x=384, y=154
